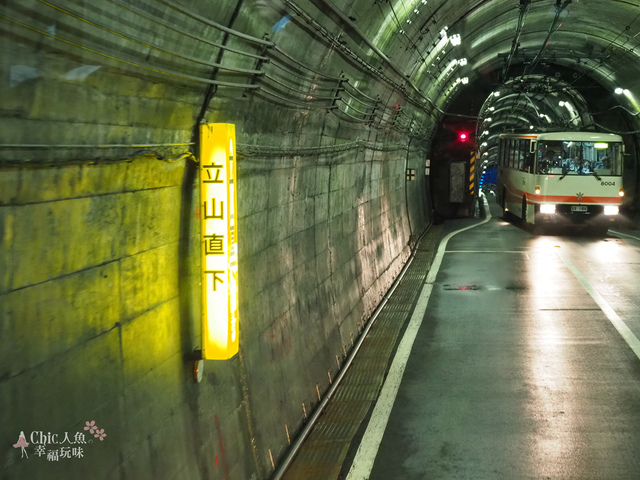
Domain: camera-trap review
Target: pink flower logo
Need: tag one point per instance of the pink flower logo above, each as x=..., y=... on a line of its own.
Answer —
x=91, y=426
x=100, y=434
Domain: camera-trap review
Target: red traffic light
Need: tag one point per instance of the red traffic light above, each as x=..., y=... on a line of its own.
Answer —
x=463, y=137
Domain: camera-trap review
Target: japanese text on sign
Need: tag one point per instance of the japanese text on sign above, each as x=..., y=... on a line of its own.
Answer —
x=219, y=241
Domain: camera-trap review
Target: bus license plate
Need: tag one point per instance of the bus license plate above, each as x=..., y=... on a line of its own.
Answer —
x=578, y=208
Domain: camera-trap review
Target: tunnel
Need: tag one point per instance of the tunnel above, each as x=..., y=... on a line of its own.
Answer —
x=353, y=131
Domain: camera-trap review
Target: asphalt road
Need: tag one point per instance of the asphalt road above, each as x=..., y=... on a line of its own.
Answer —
x=520, y=368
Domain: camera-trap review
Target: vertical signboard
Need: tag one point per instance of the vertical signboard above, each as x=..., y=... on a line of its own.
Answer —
x=219, y=240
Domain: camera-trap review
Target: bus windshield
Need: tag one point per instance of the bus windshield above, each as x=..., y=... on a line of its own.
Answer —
x=579, y=158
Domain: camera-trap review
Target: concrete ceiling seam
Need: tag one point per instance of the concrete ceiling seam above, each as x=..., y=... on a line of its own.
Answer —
x=133, y=39
x=262, y=151
x=337, y=93
x=405, y=77
x=199, y=38
x=129, y=61
x=493, y=46
x=211, y=23
x=552, y=29
x=341, y=46
x=409, y=125
x=524, y=10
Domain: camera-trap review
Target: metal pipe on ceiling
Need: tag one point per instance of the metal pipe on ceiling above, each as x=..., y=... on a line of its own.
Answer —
x=524, y=10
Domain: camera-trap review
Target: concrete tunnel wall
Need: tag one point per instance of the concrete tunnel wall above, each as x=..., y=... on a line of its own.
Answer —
x=100, y=260
x=91, y=309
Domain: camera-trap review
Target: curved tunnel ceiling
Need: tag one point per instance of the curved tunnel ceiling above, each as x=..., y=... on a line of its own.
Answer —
x=363, y=60
x=589, y=41
x=530, y=103
x=538, y=64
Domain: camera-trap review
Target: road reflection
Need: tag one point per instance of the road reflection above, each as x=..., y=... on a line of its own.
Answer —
x=554, y=441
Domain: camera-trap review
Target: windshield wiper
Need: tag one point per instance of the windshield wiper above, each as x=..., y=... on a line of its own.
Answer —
x=596, y=175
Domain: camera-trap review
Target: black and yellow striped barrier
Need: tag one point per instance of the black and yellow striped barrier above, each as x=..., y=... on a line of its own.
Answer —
x=472, y=174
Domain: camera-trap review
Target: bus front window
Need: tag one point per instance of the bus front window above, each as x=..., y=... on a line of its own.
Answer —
x=608, y=161
x=579, y=158
x=550, y=157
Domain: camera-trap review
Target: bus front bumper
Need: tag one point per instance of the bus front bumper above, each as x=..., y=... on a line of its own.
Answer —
x=579, y=215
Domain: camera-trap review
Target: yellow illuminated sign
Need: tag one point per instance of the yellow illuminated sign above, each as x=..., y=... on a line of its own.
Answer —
x=600, y=146
x=219, y=238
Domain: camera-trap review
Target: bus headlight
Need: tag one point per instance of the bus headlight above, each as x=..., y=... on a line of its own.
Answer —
x=611, y=210
x=548, y=208
x=621, y=192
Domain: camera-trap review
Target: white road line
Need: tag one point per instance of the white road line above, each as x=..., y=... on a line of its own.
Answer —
x=486, y=251
x=613, y=317
x=368, y=449
x=433, y=271
x=623, y=234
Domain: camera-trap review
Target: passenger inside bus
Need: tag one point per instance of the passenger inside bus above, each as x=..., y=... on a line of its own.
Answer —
x=602, y=166
x=546, y=162
x=571, y=165
x=603, y=163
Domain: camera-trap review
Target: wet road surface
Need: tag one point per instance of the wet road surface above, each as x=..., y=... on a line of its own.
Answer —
x=520, y=368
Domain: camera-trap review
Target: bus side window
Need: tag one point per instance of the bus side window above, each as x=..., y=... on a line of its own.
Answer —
x=507, y=151
x=525, y=166
x=528, y=163
x=512, y=153
x=504, y=153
